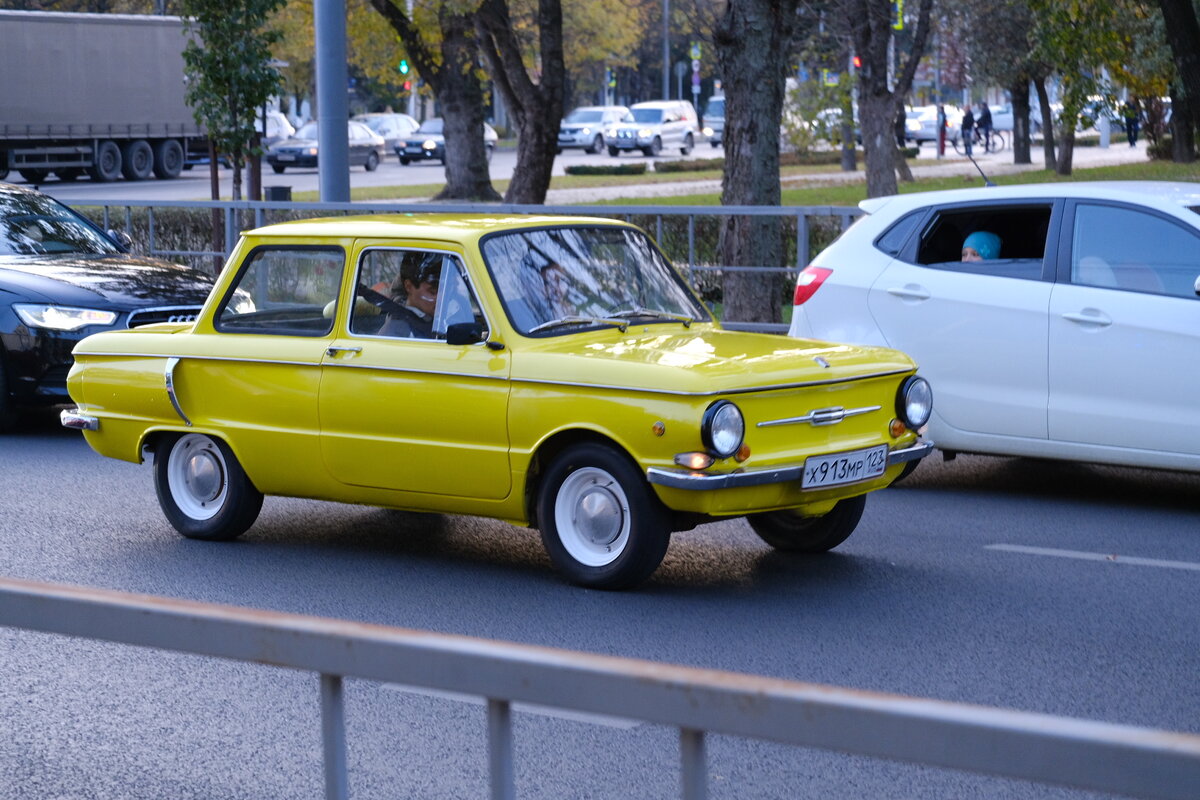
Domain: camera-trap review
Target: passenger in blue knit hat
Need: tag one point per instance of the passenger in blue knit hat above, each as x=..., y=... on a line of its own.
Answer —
x=981, y=246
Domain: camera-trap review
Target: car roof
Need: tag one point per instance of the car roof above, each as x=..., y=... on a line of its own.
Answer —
x=1178, y=194
x=454, y=227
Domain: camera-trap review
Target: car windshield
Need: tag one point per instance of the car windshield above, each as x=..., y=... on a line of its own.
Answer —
x=308, y=130
x=431, y=125
x=582, y=277
x=32, y=224
x=582, y=116
x=378, y=124
x=645, y=115
x=715, y=107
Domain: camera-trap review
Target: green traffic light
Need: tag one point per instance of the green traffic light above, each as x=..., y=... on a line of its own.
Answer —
x=404, y=66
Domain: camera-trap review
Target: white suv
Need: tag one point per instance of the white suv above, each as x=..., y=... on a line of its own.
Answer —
x=651, y=126
x=585, y=126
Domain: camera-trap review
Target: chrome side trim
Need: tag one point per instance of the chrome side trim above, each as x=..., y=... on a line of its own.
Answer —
x=700, y=481
x=71, y=418
x=821, y=416
x=199, y=358
x=169, y=375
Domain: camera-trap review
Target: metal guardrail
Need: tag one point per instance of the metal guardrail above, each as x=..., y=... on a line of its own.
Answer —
x=233, y=212
x=1099, y=756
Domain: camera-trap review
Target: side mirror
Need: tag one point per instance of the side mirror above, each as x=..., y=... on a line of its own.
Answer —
x=464, y=333
x=121, y=239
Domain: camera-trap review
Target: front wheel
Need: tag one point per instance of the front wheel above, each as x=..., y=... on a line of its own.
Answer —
x=688, y=144
x=793, y=533
x=279, y=168
x=601, y=523
x=614, y=152
x=203, y=490
x=597, y=145
x=372, y=162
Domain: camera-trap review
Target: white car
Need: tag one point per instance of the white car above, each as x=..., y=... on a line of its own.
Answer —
x=1080, y=341
x=654, y=125
x=920, y=124
x=585, y=126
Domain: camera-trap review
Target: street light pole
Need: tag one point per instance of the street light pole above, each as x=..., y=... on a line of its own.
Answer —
x=666, y=82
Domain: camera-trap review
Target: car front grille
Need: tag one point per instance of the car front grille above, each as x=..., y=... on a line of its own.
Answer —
x=626, y=135
x=148, y=316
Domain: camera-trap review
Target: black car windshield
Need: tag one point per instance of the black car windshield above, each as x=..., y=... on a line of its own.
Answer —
x=33, y=224
x=433, y=125
x=715, y=107
x=581, y=116
x=584, y=276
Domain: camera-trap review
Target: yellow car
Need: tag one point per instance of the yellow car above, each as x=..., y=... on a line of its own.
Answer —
x=555, y=372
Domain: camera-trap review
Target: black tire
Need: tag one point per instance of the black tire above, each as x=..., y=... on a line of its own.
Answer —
x=137, y=160
x=909, y=469
x=715, y=144
x=108, y=162
x=625, y=534
x=168, y=158
x=34, y=175
x=558, y=151
x=278, y=168
x=202, y=488
x=792, y=533
x=8, y=411
x=68, y=173
x=372, y=162
x=597, y=145
x=654, y=149
x=404, y=161
x=688, y=144
x=614, y=152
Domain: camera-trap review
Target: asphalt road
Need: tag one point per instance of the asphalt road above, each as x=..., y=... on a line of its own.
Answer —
x=948, y=589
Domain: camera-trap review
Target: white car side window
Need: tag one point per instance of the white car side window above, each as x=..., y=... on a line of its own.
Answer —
x=1123, y=248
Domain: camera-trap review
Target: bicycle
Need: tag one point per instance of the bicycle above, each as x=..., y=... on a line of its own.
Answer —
x=996, y=142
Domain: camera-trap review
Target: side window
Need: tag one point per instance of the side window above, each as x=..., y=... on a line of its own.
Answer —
x=413, y=294
x=1005, y=242
x=284, y=290
x=1121, y=248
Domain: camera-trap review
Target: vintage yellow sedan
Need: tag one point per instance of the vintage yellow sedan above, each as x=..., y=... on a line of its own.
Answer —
x=555, y=372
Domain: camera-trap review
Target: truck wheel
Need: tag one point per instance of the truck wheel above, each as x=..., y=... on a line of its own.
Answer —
x=372, y=162
x=793, y=533
x=34, y=175
x=68, y=173
x=203, y=490
x=601, y=523
x=108, y=162
x=137, y=160
x=168, y=158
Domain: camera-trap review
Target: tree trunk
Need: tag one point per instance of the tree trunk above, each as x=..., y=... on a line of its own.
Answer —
x=1183, y=143
x=1039, y=85
x=752, y=39
x=536, y=108
x=875, y=113
x=1020, y=132
x=1183, y=34
x=1067, y=151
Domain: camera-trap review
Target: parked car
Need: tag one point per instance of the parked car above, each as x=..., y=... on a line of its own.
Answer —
x=366, y=148
x=655, y=125
x=1077, y=342
x=559, y=374
x=393, y=127
x=921, y=124
x=63, y=278
x=428, y=142
x=714, y=120
x=585, y=126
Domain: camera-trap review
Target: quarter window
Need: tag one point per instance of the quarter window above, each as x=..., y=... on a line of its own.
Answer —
x=281, y=290
x=1122, y=248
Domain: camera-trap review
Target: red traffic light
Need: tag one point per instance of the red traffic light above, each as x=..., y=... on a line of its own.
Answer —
x=407, y=86
x=857, y=61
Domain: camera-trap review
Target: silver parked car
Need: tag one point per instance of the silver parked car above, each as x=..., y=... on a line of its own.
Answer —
x=585, y=126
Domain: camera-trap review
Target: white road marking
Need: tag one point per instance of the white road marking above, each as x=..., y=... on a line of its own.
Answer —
x=1085, y=556
x=527, y=708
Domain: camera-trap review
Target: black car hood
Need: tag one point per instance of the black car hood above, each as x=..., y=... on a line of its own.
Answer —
x=108, y=281
x=293, y=143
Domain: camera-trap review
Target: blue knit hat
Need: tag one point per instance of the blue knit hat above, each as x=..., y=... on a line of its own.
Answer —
x=985, y=243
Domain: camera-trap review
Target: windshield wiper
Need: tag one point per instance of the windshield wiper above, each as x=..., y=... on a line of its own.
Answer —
x=655, y=313
x=561, y=321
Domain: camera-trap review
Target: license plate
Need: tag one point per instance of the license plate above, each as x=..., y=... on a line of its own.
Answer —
x=838, y=468
x=285, y=157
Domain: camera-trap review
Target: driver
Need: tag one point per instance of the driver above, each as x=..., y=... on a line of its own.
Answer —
x=415, y=290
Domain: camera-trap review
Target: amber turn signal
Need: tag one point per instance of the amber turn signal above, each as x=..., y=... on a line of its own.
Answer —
x=742, y=453
x=897, y=428
x=694, y=460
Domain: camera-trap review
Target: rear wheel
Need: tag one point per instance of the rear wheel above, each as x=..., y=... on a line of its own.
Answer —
x=372, y=162
x=33, y=175
x=601, y=523
x=108, y=162
x=168, y=158
x=137, y=160
x=202, y=488
x=793, y=533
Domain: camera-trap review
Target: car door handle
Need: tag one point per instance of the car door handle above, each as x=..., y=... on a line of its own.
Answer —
x=1089, y=316
x=332, y=350
x=909, y=292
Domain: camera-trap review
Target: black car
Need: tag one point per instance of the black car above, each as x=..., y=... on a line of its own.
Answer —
x=61, y=279
x=365, y=148
x=428, y=141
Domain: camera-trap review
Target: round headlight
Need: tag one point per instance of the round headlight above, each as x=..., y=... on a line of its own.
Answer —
x=722, y=428
x=914, y=402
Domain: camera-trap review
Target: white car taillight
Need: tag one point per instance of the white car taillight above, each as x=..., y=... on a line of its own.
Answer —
x=807, y=283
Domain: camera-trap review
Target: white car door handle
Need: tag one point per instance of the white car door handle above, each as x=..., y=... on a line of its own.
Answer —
x=909, y=292
x=1089, y=316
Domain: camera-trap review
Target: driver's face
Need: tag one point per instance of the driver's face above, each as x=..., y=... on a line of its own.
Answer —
x=422, y=295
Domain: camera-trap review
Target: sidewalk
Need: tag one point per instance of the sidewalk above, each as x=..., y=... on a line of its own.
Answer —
x=927, y=164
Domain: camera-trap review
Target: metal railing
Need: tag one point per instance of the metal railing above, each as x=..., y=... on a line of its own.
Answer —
x=243, y=215
x=1120, y=759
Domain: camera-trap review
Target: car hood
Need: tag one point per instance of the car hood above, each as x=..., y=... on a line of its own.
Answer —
x=117, y=281
x=295, y=143
x=705, y=361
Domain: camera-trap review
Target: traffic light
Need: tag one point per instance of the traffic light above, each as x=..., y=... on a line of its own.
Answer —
x=857, y=60
x=408, y=86
x=403, y=66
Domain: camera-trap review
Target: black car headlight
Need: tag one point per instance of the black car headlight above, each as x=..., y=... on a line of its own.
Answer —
x=62, y=318
x=722, y=428
x=914, y=402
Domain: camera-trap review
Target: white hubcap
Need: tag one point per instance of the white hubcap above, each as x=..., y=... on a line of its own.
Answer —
x=591, y=514
x=196, y=475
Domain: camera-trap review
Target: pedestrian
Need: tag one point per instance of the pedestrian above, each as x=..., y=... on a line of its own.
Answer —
x=968, y=129
x=985, y=126
x=1133, y=114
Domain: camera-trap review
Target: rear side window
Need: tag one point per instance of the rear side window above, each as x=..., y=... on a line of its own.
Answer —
x=893, y=239
x=286, y=291
x=1017, y=237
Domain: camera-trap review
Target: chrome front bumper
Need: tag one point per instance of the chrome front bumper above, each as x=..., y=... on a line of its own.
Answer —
x=686, y=479
x=71, y=418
